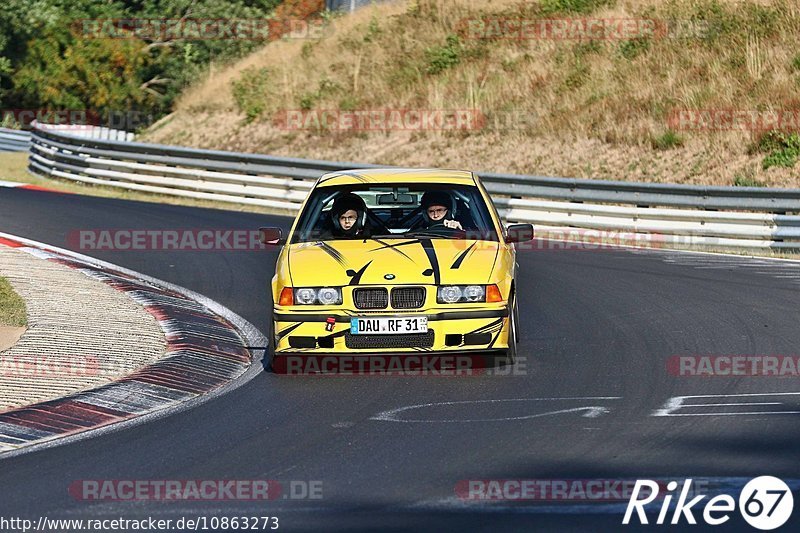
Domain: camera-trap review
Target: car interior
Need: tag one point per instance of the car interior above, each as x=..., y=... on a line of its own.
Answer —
x=397, y=212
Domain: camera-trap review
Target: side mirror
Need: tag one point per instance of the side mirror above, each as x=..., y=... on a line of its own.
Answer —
x=519, y=233
x=272, y=236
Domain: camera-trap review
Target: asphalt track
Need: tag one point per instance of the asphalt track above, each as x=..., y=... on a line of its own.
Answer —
x=594, y=324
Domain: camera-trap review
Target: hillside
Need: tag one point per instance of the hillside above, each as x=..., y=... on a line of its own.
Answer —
x=544, y=100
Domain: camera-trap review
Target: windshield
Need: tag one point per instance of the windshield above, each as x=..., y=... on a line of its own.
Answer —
x=397, y=210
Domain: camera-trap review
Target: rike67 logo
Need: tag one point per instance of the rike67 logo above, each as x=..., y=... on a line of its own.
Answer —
x=765, y=503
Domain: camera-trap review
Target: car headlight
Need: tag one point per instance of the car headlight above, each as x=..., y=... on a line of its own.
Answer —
x=475, y=293
x=318, y=296
x=305, y=296
x=451, y=294
x=329, y=296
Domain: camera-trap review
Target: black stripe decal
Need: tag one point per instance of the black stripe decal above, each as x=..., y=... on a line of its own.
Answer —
x=462, y=256
x=488, y=327
x=496, y=254
x=359, y=177
x=497, y=335
x=337, y=334
x=393, y=247
x=333, y=252
x=286, y=331
x=357, y=277
x=427, y=245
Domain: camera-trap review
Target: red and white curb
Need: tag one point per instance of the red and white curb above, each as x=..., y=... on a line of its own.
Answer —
x=29, y=187
x=210, y=350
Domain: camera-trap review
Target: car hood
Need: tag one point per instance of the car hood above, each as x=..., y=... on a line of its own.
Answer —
x=375, y=261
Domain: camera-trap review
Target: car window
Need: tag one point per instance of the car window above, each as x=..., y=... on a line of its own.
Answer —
x=395, y=211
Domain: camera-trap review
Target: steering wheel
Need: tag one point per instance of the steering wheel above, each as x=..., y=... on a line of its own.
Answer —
x=437, y=229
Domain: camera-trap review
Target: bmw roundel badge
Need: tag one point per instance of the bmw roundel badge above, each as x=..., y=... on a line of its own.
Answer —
x=388, y=276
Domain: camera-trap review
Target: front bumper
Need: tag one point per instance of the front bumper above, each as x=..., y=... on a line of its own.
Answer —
x=328, y=332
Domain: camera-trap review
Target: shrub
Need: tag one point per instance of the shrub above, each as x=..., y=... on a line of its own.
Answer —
x=373, y=30
x=796, y=63
x=632, y=48
x=307, y=50
x=743, y=180
x=250, y=92
x=783, y=148
x=441, y=58
x=667, y=140
x=307, y=100
x=589, y=47
x=577, y=75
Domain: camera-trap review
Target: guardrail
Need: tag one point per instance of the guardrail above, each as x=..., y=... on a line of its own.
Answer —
x=676, y=215
x=14, y=140
x=89, y=131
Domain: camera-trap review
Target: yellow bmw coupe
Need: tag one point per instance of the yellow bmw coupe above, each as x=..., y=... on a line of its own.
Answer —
x=396, y=261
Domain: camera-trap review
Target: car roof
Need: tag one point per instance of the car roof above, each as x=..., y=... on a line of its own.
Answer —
x=396, y=175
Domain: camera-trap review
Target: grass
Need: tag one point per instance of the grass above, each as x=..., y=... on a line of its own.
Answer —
x=12, y=307
x=549, y=7
x=744, y=180
x=668, y=140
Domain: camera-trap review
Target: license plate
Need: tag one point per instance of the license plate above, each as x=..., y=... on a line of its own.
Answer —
x=383, y=325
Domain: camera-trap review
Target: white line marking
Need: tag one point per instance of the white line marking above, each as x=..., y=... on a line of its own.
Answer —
x=592, y=411
x=729, y=404
x=676, y=402
x=738, y=414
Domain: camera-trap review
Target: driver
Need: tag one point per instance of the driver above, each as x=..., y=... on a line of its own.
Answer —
x=438, y=209
x=348, y=218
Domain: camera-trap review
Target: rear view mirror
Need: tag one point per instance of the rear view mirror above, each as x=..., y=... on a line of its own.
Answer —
x=401, y=198
x=272, y=236
x=519, y=233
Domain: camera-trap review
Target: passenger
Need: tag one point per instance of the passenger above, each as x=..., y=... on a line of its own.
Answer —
x=349, y=218
x=438, y=209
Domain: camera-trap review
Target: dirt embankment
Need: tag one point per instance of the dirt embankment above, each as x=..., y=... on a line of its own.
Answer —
x=684, y=95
